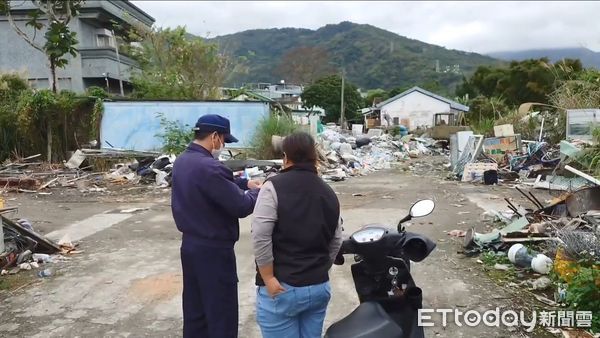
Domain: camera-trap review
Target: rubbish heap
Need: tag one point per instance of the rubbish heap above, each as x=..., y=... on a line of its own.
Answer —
x=536, y=164
x=24, y=249
x=577, y=211
x=344, y=155
x=563, y=237
x=88, y=170
x=507, y=158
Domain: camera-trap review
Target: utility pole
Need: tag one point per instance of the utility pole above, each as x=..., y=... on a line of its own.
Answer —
x=118, y=64
x=342, y=113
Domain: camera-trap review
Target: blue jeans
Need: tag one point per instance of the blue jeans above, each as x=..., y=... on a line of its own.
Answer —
x=298, y=312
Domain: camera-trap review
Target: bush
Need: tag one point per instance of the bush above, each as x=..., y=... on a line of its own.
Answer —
x=11, y=88
x=483, y=127
x=175, y=135
x=583, y=293
x=395, y=131
x=97, y=92
x=261, y=147
x=484, y=108
x=26, y=115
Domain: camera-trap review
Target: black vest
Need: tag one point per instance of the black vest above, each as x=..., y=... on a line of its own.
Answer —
x=308, y=213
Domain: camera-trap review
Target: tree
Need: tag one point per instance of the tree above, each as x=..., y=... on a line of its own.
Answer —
x=375, y=95
x=304, y=65
x=397, y=90
x=60, y=41
x=326, y=93
x=523, y=81
x=175, y=65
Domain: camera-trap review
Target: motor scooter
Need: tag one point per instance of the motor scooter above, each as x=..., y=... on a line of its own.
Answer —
x=389, y=298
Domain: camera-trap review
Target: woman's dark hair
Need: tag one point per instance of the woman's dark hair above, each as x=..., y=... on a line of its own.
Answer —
x=299, y=148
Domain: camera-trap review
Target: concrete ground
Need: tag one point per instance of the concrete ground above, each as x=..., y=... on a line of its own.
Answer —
x=127, y=282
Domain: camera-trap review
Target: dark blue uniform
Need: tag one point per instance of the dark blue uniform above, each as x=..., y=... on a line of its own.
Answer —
x=207, y=203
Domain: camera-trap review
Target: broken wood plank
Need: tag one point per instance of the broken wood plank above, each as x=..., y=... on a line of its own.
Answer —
x=45, y=185
x=78, y=178
x=582, y=174
x=31, y=157
x=43, y=244
x=4, y=210
x=76, y=160
x=20, y=183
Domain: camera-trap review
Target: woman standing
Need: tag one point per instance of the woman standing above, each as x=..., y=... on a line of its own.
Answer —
x=296, y=235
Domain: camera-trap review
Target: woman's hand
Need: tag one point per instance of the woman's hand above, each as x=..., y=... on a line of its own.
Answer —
x=273, y=287
x=254, y=184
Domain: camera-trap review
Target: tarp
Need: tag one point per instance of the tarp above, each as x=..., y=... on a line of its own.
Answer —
x=135, y=125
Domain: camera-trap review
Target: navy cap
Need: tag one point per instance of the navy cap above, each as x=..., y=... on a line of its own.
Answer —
x=212, y=122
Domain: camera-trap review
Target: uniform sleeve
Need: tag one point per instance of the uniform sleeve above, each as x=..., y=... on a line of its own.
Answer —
x=242, y=183
x=336, y=241
x=265, y=216
x=228, y=195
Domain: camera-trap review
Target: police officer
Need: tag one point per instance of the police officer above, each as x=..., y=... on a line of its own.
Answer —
x=207, y=203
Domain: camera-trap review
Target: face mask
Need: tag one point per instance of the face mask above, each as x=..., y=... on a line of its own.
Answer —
x=217, y=152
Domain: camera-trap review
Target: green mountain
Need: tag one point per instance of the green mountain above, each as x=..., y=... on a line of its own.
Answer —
x=588, y=57
x=372, y=57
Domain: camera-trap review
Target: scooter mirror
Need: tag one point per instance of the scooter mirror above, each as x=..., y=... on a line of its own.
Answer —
x=422, y=208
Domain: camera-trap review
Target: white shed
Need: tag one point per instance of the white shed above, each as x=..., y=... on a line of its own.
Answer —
x=416, y=107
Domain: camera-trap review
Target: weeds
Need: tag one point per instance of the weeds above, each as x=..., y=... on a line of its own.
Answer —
x=175, y=135
x=260, y=144
x=583, y=293
x=395, y=131
x=589, y=158
x=484, y=127
x=490, y=258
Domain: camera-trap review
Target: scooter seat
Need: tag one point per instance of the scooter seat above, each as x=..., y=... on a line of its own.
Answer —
x=368, y=320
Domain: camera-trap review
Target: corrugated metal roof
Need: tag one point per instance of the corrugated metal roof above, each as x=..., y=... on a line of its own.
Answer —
x=453, y=104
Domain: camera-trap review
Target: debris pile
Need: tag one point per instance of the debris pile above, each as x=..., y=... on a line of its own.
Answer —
x=571, y=213
x=88, y=170
x=507, y=158
x=343, y=155
x=24, y=249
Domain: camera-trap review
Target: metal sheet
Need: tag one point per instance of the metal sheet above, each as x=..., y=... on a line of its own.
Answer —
x=135, y=125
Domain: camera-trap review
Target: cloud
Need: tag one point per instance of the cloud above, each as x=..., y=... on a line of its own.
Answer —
x=478, y=26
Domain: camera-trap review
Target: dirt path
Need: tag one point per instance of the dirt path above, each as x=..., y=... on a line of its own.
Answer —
x=127, y=283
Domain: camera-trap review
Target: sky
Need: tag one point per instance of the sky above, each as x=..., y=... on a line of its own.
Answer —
x=473, y=26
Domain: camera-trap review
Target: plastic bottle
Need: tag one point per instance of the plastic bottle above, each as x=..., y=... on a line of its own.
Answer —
x=45, y=273
x=41, y=258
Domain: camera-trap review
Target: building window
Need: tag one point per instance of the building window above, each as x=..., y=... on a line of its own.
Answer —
x=105, y=41
x=396, y=121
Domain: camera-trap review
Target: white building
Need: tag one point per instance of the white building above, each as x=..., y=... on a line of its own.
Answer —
x=416, y=107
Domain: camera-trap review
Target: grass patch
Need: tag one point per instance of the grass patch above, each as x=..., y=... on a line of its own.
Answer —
x=261, y=146
x=490, y=258
x=12, y=282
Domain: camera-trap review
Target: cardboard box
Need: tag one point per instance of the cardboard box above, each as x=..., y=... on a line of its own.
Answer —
x=498, y=147
x=504, y=130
